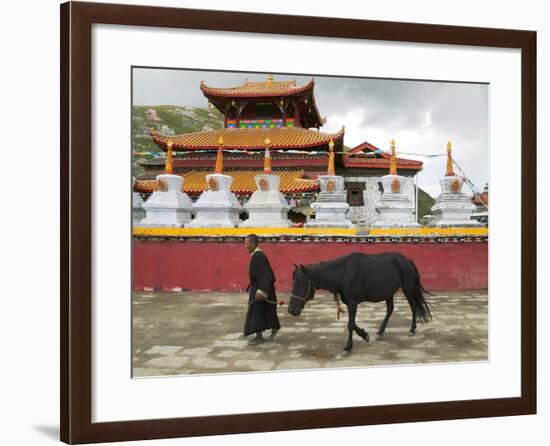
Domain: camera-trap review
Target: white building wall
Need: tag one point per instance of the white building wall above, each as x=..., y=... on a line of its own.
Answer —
x=367, y=214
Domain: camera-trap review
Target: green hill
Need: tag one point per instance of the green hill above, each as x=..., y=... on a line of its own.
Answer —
x=171, y=118
x=167, y=119
x=425, y=203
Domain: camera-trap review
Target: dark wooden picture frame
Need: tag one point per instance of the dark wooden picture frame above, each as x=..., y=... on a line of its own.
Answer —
x=76, y=221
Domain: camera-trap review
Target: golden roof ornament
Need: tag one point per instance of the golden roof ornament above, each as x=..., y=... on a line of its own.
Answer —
x=270, y=80
x=169, y=166
x=219, y=157
x=393, y=159
x=331, y=171
x=450, y=172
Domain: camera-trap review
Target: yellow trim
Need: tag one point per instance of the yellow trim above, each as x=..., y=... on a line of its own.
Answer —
x=218, y=232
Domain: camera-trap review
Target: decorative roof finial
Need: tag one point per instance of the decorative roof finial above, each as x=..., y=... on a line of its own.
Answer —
x=331, y=171
x=393, y=159
x=267, y=157
x=450, y=172
x=169, y=166
x=219, y=157
x=270, y=80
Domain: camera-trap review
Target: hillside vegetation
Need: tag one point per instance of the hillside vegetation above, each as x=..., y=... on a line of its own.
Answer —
x=425, y=203
x=171, y=120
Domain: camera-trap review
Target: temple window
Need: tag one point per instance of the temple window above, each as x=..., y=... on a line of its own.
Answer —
x=264, y=110
x=355, y=193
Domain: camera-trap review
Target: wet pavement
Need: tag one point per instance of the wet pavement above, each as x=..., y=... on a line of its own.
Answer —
x=201, y=332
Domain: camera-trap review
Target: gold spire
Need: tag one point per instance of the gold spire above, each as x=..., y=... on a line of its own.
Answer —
x=267, y=157
x=393, y=159
x=331, y=171
x=219, y=157
x=450, y=172
x=270, y=80
x=169, y=166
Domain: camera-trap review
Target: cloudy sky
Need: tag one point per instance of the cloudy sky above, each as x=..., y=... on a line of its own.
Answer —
x=421, y=116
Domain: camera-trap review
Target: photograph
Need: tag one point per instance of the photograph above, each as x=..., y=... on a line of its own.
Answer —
x=298, y=221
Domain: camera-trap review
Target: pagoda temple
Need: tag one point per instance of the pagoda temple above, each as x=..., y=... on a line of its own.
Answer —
x=286, y=114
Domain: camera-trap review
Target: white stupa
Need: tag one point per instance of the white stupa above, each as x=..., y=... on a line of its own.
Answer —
x=331, y=204
x=395, y=206
x=217, y=207
x=168, y=205
x=453, y=207
x=267, y=206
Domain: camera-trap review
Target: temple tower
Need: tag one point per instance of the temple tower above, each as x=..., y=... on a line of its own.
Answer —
x=217, y=207
x=267, y=207
x=168, y=205
x=395, y=207
x=331, y=204
x=453, y=207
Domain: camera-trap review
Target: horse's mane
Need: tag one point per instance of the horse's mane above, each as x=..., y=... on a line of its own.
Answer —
x=333, y=262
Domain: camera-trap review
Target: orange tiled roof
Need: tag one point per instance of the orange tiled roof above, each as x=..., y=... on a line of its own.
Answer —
x=382, y=160
x=259, y=89
x=243, y=182
x=281, y=138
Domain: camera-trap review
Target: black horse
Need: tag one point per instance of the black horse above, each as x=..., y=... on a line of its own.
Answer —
x=357, y=278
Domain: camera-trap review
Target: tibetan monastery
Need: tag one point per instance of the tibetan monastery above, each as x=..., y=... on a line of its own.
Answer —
x=285, y=115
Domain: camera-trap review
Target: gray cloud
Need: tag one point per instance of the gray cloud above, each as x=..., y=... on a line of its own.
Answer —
x=421, y=115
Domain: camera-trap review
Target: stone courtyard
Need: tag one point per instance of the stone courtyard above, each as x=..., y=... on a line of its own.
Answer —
x=201, y=332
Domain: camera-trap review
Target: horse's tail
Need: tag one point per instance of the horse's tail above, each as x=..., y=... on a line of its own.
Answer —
x=423, y=312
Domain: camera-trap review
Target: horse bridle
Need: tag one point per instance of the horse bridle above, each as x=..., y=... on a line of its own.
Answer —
x=309, y=285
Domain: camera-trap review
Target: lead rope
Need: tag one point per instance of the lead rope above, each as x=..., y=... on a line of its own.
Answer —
x=309, y=285
x=335, y=296
x=338, y=306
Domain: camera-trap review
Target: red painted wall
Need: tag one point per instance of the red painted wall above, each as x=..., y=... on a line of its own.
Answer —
x=165, y=265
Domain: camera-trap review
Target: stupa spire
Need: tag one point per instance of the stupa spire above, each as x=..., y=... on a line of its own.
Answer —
x=219, y=157
x=169, y=166
x=331, y=171
x=450, y=172
x=393, y=159
x=267, y=157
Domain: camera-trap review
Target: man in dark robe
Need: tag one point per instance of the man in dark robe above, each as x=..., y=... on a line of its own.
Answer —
x=262, y=299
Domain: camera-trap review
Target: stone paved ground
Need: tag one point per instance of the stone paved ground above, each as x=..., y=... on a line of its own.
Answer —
x=201, y=332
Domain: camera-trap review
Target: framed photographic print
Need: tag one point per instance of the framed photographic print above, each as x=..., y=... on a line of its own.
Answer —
x=268, y=219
